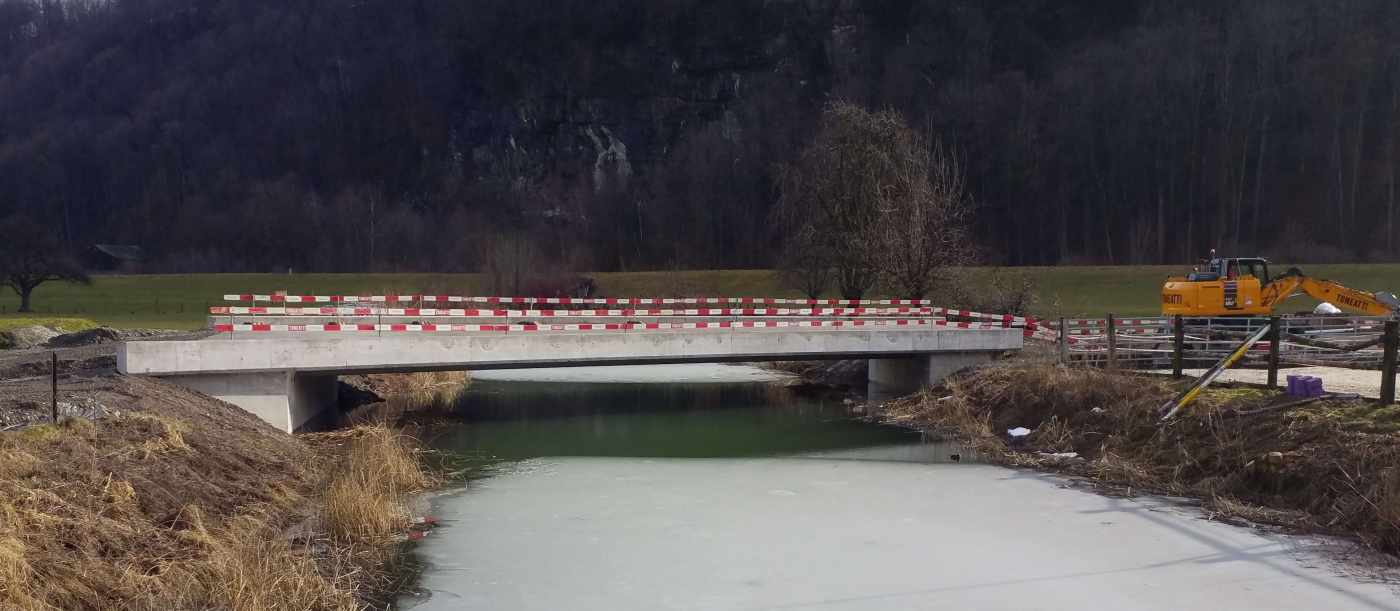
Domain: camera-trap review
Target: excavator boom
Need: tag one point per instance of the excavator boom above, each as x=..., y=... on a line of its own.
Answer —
x=1352, y=300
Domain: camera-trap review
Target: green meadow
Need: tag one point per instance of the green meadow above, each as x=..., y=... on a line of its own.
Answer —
x=182, y=301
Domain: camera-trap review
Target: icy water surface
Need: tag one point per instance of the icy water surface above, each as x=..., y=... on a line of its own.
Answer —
x=622, y=489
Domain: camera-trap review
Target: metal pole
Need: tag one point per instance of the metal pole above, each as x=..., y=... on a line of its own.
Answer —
x=1112, y=334
x=1274, y=323
x=1170, y=408
x=1392, y=340
x=1063, y=342
x=1178, y=345
x=53, y=403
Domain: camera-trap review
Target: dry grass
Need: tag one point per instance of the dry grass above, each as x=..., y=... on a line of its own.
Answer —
x=428, y=388
x=944, y=413
x=386, y=457
x=184, y=503
x=81, y=536
x=427, y=394
x=249, y=565
x=15, y=571
x=354, y=512
x=166, y=436
x=1054, y=435
x=364, y=501
x=1330, y=466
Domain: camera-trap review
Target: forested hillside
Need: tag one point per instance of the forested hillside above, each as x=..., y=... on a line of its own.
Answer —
x=397, y=135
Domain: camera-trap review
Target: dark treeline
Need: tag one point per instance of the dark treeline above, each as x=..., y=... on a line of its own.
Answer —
x=340, y=135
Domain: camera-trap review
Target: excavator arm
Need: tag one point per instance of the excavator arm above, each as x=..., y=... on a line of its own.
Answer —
x=1360, y=302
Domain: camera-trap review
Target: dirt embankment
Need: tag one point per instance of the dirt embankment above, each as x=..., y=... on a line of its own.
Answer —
x=1331, y=466
x=163, y=498
x=87, y=365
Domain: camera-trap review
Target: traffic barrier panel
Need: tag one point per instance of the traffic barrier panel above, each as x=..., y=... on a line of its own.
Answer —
x=496, y=313
x=275, y=298
x=622, y=326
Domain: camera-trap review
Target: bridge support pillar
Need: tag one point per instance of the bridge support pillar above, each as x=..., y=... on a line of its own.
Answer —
x=284, y=399
x=892, y=378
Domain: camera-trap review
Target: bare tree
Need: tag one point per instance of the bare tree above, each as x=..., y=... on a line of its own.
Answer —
x=805, y=265
x=923, y=218
x=836, y=189
x=30, y=255
x=511, y=261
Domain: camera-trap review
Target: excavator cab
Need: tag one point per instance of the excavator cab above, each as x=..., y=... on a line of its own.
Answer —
x=1232, y=269
x=1219, y=287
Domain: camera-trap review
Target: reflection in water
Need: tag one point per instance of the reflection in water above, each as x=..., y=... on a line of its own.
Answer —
x=516, y=420
x=931, y=451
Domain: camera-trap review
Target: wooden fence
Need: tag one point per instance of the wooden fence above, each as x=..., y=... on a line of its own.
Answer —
x=1177, y=344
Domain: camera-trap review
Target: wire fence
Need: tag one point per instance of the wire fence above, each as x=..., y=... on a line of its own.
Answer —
x=1151, y=343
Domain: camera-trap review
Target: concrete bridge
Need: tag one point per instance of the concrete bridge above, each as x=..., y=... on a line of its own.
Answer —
x=290, y=378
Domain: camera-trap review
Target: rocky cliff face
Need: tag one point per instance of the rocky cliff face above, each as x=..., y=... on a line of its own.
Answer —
x=604, y=123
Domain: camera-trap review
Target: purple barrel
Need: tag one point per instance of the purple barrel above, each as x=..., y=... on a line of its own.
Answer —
x=1293, y=386
x=1315, y=386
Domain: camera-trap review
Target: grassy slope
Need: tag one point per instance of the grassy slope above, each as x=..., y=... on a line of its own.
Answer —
x=179, y=301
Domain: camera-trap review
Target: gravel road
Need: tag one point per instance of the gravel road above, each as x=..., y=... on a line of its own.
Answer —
x=1366, y=383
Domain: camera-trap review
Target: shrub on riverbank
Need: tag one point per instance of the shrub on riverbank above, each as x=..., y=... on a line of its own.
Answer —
x=1328, y=466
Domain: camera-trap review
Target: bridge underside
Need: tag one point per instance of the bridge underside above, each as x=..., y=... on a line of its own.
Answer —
x=289, y=400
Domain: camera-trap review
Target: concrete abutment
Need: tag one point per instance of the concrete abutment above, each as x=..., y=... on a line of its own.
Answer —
x=895, y=377
x=284, y=399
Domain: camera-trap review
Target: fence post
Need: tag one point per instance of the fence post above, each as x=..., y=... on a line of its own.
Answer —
x=53, y=402
x=1112, y=334
x=1391, y=341
x=1063, y=341
x=1178, y=345
x=1273, y=336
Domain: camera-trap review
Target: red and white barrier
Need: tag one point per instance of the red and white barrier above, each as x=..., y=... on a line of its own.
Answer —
x=919, y=310
x=1120, y=330
x=259, y=298
x=1100, y=322
x=1008, y=319
x=480, y=313
x=626, y=326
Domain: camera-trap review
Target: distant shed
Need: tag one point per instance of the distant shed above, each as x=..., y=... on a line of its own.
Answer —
x=113, y=258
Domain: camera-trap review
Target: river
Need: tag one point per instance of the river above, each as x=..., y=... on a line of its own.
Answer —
x=700, y=487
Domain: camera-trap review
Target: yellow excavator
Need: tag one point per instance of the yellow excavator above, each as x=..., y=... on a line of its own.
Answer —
x=1242, y=287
